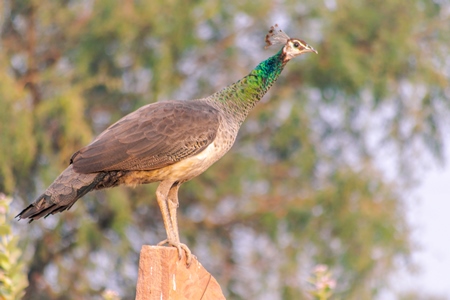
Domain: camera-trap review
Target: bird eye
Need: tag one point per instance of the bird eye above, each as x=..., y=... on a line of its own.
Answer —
x=296, y=44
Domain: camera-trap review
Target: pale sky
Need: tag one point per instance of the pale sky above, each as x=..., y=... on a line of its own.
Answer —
x=429, y=215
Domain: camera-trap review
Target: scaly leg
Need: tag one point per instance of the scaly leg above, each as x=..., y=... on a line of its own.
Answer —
x=162, y=193
x=173, y=205
x=167, y=196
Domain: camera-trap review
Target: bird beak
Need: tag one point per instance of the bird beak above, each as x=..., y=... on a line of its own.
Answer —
x=311, y=49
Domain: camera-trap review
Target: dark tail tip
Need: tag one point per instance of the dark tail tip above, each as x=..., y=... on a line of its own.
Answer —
x=23, y=213
x=28, y=212
x=41, y=207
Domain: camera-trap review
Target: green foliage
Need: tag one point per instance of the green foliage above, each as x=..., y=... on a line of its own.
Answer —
x=13, y=278
x=61, y=117
x=389, y=64
x=16, y=132
x=301, y=187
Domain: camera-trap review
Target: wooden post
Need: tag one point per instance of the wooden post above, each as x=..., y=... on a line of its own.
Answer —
x=162, y=276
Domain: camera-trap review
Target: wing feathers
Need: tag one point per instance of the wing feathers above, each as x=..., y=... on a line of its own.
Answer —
x=154, y=136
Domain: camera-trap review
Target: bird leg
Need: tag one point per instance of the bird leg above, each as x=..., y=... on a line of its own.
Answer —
x=173, y=206
x=167, y=197
x=172, y=201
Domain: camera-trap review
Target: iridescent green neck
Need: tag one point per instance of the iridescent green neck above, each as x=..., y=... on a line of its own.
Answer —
x=240, y=97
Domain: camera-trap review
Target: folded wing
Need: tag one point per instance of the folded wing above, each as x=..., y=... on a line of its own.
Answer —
x=154, y=136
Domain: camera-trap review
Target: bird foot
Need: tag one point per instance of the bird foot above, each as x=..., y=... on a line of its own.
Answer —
x=180, y=247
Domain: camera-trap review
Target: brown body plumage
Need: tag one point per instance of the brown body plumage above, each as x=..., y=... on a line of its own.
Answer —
x=169, y=142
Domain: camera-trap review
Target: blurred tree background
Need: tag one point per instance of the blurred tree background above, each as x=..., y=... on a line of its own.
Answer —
x=306, y=182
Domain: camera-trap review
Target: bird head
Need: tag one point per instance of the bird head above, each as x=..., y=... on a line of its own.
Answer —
x=292, y=47
x=295, y=47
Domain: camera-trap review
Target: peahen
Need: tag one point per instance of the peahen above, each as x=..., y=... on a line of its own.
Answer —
x=169, y=142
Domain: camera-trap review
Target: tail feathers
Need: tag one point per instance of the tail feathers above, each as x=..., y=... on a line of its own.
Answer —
x=42, y=207
x=61, y=194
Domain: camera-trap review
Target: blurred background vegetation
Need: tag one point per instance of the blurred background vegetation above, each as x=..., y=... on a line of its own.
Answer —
x=318, y=173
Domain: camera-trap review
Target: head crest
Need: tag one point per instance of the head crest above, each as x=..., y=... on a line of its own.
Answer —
x=276, y=36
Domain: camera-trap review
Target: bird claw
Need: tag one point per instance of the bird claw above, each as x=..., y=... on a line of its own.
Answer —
x=180, y=247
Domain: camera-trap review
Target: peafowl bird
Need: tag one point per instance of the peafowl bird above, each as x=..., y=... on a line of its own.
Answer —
x=169, y=142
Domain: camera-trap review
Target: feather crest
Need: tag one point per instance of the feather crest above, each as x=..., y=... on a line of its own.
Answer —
x=276, y=36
